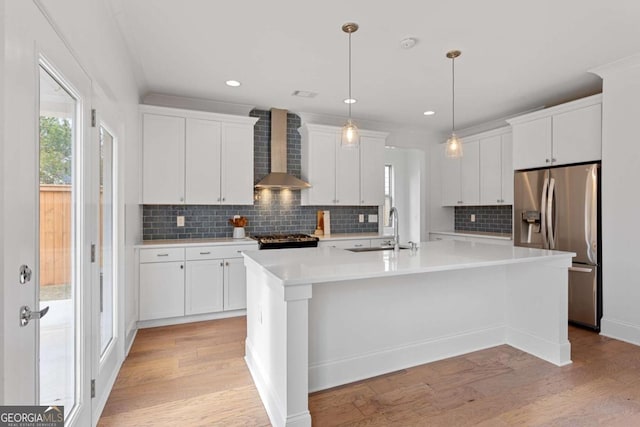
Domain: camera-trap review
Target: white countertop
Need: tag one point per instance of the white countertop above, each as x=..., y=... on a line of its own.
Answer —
x=485, y=234
x=354, y=236
x=326, y=264
x=194, y=242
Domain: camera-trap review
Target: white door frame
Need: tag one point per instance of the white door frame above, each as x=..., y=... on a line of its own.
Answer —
x=28, y=38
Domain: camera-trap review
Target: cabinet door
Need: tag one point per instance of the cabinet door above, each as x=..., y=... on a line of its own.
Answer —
x=347, y=175
x=507, y=169
x=202, y=154
x=235, y=284
x=161, y=290
x=470, y=173
x=577, y=135
x=371, y=171
x=532, y=144
x=491, y=170
x=204, y=285
x=450, y=180
x=237, y=164
x=320, y=169
x=163, y=139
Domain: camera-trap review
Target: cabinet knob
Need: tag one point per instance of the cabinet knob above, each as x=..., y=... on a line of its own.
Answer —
x=547, y=160
x=227, y=263
x=181, y=267
x=223, y=199
x=498, y=200
x=553, y=160
x=222, y=264
x=218, y=199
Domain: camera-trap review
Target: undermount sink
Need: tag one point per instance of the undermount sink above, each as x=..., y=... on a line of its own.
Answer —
x=375, y=249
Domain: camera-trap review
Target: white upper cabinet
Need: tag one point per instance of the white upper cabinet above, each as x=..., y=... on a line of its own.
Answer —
x=192, y=157
x=484, y=174
x=342, y=176
x=496, y=169
x=203, y=148
x=459, y=177
x=163, y=159
x=560, y=135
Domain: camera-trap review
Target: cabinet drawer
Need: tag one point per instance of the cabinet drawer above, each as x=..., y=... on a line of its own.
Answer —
x=215, y=252
x=346, y=244
x=161, y=255
x=377, y=243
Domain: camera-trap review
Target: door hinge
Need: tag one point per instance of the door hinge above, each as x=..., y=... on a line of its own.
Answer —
x=93, y=388
x=93, y=117
x=93, y=252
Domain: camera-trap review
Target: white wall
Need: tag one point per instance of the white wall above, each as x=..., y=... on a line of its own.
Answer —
x=440, y=218
x=90, y=28
x=620, y=199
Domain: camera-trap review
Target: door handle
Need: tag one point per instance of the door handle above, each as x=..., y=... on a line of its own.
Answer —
x=581, y=269
x=26, y=314
x=543, y=213
x=550, y=229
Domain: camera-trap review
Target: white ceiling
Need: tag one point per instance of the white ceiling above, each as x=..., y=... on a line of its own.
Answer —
x=516, y=55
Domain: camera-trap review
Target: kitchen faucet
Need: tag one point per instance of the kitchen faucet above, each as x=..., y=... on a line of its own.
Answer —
x=393, y=214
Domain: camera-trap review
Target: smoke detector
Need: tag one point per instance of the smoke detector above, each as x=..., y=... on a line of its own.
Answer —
x=304, y=93
x=408, y=43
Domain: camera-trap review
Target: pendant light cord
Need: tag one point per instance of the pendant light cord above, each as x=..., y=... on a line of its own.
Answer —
x=453, y=95
x=350, y=99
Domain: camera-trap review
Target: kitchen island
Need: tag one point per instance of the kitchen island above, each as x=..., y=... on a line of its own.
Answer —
x=322, y=317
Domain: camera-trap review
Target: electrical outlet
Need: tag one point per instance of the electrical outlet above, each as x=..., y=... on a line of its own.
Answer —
x=373, y=218
x=360, y=217
x=473, y=217
x=180, y=221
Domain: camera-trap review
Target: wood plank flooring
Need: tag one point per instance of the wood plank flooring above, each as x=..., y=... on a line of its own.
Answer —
x=194, y=375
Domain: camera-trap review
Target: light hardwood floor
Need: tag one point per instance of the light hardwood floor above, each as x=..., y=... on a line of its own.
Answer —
x=194, y=375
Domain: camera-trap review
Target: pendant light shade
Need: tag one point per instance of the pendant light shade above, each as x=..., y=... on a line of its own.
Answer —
x=453, y=146
x=350, y=134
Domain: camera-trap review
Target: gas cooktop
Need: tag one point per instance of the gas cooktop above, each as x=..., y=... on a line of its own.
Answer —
x=283, y=241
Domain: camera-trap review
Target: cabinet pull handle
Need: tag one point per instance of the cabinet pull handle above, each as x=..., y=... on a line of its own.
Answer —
x=227, y=263
x=547, y=160
x=222, y=264
x=181, y=266
x=239, y=252
x=223, y=199
x=162, y=255
x=553, y=160
x=205, y=253
x=358, y=246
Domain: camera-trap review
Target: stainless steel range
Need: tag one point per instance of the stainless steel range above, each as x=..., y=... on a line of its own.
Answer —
x=283, y=241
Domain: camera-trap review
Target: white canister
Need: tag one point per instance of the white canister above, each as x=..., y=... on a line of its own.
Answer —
x=238, y=232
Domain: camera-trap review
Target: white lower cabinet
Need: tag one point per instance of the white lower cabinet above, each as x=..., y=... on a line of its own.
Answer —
x=235, y=284
x=161, y=290
x=178, y=282
x=466, y=238
x=204, y=286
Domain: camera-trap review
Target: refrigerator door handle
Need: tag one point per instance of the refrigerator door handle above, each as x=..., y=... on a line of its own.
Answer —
x=590, y=214
x=543, y=215
x=581, y=269
x=550, y=230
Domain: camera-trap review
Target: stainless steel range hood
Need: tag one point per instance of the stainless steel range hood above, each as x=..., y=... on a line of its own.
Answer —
x=279, y=178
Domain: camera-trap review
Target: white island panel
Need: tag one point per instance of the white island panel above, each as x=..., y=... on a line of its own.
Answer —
x=321, y=317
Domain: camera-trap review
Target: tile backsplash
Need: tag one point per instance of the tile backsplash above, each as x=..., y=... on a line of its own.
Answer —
x=495, y=219
x=276, y=211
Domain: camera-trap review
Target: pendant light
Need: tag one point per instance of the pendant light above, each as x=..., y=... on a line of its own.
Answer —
x=350, y=134
x=453, y=147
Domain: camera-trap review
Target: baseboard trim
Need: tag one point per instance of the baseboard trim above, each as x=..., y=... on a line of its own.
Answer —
x=619, y=330
x=558, y=354
x=333, y=373
x=190, y=319
x=130, y=338
x=102, y=400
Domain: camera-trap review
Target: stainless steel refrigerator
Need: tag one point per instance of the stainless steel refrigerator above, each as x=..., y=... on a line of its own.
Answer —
x=558, y=208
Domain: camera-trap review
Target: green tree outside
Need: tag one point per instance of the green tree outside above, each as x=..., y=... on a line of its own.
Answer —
x=55, y=150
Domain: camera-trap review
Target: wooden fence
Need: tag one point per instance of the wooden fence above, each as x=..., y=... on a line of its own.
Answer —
x=55, y=234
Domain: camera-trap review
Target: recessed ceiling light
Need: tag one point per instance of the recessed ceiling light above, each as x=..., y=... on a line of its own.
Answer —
x=304, y=93
x=232, y=83
x=350, y=101
x=429, y=113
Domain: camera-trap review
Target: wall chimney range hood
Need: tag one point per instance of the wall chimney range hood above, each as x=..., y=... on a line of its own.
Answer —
x=279, y=178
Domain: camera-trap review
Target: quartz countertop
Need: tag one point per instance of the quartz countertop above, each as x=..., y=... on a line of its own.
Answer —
x=194, y=242
x=485, y=234
x=327, y=264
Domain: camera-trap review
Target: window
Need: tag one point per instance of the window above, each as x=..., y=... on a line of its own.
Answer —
x=388, y=195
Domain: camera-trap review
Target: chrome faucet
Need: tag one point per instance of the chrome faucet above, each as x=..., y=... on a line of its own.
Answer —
x=393, y=214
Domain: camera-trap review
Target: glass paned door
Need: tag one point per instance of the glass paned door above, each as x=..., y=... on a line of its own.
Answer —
x=105, y=207
x=58, y=243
